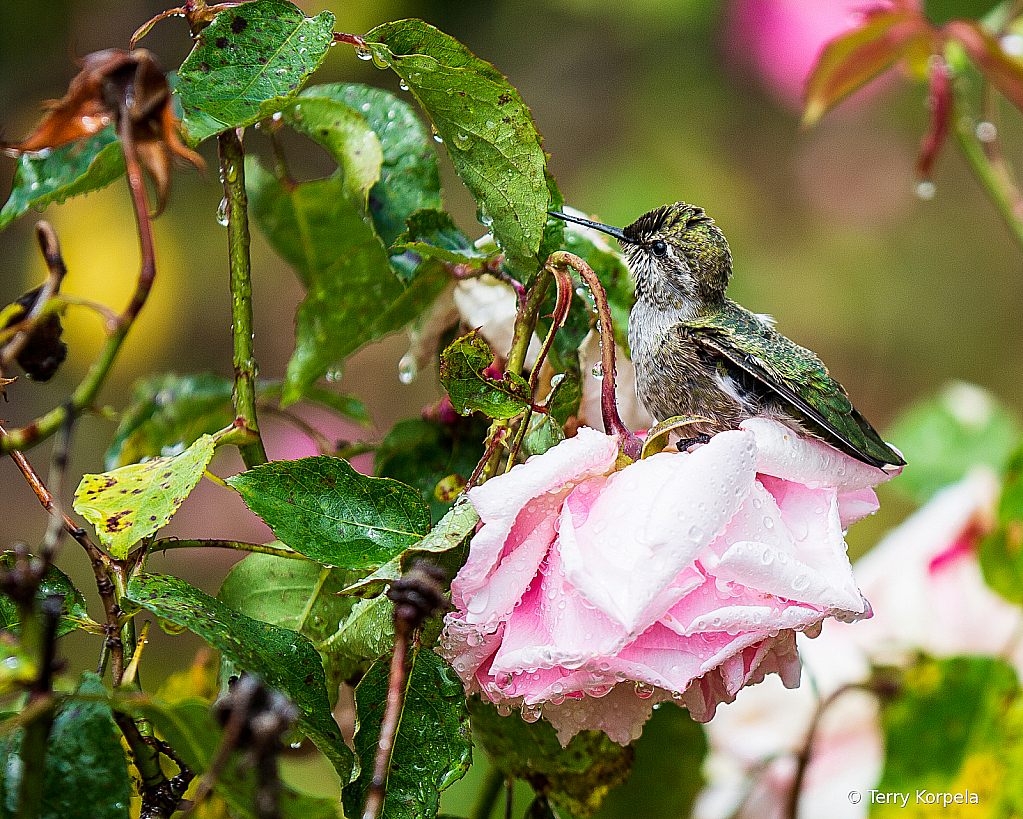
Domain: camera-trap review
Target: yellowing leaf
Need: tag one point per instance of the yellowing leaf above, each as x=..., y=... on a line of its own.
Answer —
x=130, y=503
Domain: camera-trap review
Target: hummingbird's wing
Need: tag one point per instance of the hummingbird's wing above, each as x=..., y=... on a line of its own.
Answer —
x=785, y=374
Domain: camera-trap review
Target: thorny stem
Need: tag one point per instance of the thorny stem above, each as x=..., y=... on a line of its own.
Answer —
x=160, y=796
x=84, y=395
x=259, y=548
x=389, y=725
x=629, y=444
x=37, y=732
x=101, y=563
x=232, y=170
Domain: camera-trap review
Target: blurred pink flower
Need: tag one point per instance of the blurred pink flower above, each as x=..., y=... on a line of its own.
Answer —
x=591, y=594
x=928, y=595
x=780, y=40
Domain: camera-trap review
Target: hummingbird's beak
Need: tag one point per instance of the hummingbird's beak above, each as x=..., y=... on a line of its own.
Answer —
x=610, y=231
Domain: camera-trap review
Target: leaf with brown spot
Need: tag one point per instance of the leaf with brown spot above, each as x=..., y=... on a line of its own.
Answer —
x=134, y=501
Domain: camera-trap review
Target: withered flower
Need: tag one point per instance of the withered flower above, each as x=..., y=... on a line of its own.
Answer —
x=112, y=85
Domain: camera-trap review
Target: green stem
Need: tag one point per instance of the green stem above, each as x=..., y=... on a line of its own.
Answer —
x=998, y=186
x=173, y=543
x=487, y=797
x=522, y=334
x=232, y=170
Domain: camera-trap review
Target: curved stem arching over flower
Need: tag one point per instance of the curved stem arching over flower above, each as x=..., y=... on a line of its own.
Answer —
x=613, y=424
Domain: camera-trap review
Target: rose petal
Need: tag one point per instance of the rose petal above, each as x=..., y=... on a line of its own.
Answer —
x=786, y=454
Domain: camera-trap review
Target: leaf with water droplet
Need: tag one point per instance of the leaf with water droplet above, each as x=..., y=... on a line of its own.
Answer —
x=470, y=389
x=73, y=610
x=299, y=595
x=324, y=509
x=420, y=453
x=249, y=63
x=283, y=659
x=494, y=144
x=132, y=502
x=409, y=174
x=85, y=771
x=432, y=233
x=81, y=167
x=433, y=747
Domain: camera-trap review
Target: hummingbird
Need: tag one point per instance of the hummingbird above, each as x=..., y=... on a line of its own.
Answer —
x=700, y=354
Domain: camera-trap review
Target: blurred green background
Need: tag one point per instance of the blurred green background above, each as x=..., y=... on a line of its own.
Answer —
x=640, y=102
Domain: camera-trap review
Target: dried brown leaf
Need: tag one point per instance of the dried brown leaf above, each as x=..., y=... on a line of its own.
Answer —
x=114, y=84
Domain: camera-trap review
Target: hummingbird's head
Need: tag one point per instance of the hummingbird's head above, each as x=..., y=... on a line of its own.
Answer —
x=676, y=254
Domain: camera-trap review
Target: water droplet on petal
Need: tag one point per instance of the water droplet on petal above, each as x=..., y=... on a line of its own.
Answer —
x=644, y=690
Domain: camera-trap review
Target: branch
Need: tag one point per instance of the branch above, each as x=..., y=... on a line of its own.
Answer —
x=629, y=444
x=85, y=394
x=232, y=171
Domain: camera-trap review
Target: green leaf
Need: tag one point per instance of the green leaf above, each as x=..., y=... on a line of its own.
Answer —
x=671, y=750
x=353, y=295
x=283, y=659
x=563, y=400
x=432, y=748
x=295, y=594
x=191, y=730
x=542, y=434
x=955, y=728
x=73, y=610
x=167, y=412
x=432, y=233
x=409, y=175
x=487, y=130
x=576, y=777
x=856, y=57
x=324, y=509
x=366, y=634
x=248, y=64
x=461, y=372
x=130, y=503
x=346, y=136
x=421, y=453
x=942, y=438
x=86, y=772
x=444, y=539
x=81, y=167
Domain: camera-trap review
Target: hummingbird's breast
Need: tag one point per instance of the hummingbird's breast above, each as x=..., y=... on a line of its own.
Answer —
x=674, y=377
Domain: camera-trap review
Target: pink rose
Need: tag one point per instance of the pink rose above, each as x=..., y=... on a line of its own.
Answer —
x=591, y=594
x=928, y=595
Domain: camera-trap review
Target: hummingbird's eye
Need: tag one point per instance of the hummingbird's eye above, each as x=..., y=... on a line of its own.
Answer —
x=658, y=247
